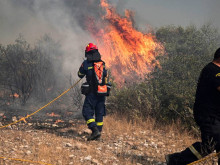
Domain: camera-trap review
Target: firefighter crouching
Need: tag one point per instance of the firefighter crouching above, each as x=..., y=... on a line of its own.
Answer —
x=95, y=89
x=206, y=114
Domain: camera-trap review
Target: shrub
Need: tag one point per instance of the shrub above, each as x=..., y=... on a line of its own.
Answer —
x=169, y=93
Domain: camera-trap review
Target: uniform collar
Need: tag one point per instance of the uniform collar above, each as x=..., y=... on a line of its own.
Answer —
x=215, y=63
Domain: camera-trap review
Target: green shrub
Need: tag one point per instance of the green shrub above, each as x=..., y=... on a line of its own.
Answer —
x=169, y=93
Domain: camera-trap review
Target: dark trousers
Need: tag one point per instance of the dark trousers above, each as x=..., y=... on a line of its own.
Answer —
x=210, y=135
x=94, y=106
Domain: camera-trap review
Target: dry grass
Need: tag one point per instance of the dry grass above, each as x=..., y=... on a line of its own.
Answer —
x=122, y=142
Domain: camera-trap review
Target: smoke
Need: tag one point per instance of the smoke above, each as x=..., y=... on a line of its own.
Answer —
x=213, y=12
x=157, y=13
x=65, y=20
x=62, y=20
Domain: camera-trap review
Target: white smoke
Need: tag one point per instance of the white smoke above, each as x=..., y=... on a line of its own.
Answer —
x=34, y=20
x=64, y=21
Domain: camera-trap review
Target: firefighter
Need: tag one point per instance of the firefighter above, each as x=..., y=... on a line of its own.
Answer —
x=206, y=114
x=94, y=104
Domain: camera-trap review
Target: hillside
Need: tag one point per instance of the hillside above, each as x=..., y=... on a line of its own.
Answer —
x=121, y=143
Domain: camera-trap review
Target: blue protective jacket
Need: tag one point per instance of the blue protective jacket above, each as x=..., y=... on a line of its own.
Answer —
x=87, y=69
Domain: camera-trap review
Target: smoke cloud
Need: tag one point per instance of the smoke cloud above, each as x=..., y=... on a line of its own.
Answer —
x=159, y=13
x=62, y=20
x=65, y=20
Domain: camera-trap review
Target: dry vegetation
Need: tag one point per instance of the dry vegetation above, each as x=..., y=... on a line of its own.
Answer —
x=122, y=142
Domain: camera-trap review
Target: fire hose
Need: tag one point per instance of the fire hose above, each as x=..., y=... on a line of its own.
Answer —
x=23, y=119
x=23, y=160
x=206, y=158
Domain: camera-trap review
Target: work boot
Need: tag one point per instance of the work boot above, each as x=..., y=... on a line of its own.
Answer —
x=99, y=139
x=168, y=159
x=173, y=159
x=95, y=134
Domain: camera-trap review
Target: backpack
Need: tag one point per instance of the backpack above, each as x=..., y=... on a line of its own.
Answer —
x=103, y=88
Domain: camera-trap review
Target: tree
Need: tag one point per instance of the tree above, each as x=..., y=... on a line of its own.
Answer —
x=20, y=65
x=49, y=67
x=188, y=51
x=30, y=70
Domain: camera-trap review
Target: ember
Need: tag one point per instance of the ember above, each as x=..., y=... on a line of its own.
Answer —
x=16, y=95
x=59, y=121
x=53, y=114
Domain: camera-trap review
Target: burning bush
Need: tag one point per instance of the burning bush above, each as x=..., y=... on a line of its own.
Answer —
x=168, y=93
x=129, y=53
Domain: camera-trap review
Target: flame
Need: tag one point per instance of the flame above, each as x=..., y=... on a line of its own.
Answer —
x=129, y=53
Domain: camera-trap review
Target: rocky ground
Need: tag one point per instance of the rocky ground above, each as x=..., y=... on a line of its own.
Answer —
x=61, y=143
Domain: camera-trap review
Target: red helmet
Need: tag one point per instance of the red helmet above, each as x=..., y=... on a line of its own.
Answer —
x=90, y=47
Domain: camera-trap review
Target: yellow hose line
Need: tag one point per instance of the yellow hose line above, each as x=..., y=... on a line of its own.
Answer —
x=23, y=160
x=208, y=157
x=41, y=107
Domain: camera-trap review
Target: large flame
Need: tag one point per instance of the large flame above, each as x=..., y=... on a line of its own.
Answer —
x=129, y=53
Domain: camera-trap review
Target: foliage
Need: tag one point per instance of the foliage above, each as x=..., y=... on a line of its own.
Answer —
x=30, y=71
x=20, y=66
x=168, y=92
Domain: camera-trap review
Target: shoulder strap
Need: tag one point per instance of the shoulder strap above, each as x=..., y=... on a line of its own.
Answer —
x=99, y=69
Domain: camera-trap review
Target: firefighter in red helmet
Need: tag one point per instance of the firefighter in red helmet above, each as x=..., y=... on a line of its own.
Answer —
x=95, y=89
x=90, y=47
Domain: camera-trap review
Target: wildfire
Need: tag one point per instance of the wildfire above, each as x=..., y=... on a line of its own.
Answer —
x=129, y=53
